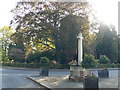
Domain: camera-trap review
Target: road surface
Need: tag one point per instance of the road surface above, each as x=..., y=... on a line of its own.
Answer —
x=17, y=78
x=11, y=78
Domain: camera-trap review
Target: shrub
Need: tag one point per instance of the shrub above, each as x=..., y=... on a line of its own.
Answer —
x=44, y=61
x=104, y=59
x=89, y=61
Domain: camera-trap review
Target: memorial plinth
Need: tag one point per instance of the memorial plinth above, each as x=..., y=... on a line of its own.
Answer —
x=76, y=73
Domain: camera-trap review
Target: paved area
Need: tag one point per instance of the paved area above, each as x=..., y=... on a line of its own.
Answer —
x=63, y=82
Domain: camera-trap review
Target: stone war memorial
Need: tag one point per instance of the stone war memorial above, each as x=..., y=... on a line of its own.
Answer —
x=80, y=74
x=76, y=71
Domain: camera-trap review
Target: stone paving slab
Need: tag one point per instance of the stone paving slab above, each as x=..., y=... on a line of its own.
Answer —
x=53, y=82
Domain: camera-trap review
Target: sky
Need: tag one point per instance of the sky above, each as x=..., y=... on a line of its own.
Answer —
x=5, y=8
x=106, y=11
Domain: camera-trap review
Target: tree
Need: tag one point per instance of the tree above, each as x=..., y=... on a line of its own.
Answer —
x=107, y=43
x=41, y=24
x=71, y=25
x=17, y=50
x=17, y=55
x=5, y=34
x=34, y=57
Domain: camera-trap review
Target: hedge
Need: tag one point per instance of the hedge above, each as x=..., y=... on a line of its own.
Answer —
x=52, y=66
x=57, y=66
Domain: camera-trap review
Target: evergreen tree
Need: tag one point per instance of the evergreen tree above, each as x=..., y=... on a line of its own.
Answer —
x=107, y=43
